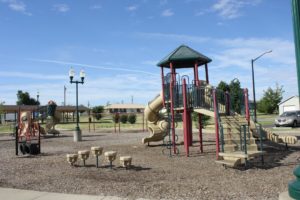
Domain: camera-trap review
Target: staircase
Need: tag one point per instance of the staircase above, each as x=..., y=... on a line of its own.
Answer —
x=237, y=142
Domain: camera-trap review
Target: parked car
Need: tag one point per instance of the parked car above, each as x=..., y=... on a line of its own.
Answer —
x=290, y=118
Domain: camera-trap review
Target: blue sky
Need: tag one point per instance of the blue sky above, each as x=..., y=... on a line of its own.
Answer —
x=119, y=42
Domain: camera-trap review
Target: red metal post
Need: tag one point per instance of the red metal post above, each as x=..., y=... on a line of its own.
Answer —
x=206, y=74
x=119, y=117
x=200, y=132
x=162, y=84
x=247, y=105
x=197, y=83
x=216, y=124
x=186, y=123
x=115, y=123
x=172, y=83
x=196, y=74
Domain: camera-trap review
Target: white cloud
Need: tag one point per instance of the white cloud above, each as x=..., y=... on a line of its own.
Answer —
x=176, y=37
x=150, y=62
x=111, y=67
x=132, y=8
x=230, y=9
x=17, y=6
x=61, y=8
x=31, y=75
x=167, y=13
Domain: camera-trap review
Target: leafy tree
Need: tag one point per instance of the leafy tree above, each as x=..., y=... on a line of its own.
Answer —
x=97, y=110
x=132, y=118
x=235, y=91
x=25, y=99
x=1, y=106
x=270, y=100
x=223, y=86
x=124, y=118
x=236, y=95
x=1, y=110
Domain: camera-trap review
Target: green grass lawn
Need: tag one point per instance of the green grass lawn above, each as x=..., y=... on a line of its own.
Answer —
x=106, y=122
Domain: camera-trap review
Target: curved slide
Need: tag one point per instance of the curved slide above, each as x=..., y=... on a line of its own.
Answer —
x=157, y=126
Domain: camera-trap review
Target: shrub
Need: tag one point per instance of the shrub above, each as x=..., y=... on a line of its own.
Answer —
x=132, y=118
x=98, y=116
x=124, y=118
x=97, y=110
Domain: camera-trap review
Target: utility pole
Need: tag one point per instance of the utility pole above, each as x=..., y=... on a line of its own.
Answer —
x=65, y=90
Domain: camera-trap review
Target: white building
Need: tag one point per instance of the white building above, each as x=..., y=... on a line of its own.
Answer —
x=289, y=104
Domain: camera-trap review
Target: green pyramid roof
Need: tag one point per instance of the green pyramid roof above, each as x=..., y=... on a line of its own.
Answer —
x=184, y=57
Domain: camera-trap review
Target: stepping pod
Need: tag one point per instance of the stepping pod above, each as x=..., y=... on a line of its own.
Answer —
x=72, y=158
x=84, y=155
x=110, y=156
x=97, y=151
x=125, y=161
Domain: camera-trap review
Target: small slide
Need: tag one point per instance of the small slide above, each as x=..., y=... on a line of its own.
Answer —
x=157, y=126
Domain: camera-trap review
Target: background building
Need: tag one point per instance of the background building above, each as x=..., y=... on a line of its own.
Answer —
x=289, y=104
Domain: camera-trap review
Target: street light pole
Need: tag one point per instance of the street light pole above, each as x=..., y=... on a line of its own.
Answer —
x=253, y=83
x=37, y=96
x=77, y=132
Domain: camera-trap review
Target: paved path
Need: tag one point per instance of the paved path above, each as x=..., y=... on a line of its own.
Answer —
x=16, y=194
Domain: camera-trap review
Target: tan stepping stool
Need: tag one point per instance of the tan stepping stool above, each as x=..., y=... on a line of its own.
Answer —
x=84, y=155
x=110, y=156
x=97, y=151
x=72, y=158
x=125, y=161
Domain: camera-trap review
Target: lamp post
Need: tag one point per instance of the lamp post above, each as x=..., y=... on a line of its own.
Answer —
x=253, y=83
x=37, y=96
x=77, y=132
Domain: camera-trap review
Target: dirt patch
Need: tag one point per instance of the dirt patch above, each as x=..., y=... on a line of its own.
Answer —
x=154, y=175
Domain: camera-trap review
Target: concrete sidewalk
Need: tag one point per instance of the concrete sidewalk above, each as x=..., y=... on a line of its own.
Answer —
x=17, y=194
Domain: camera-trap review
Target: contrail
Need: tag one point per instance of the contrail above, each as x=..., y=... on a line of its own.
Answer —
x=91, y=66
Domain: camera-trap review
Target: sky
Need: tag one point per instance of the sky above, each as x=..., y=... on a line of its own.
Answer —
x=119, y=42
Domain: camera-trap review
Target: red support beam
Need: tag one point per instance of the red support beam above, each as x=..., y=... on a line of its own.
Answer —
x=162, y=85
x=200, y=132
x=186, y=122
x=247, y=105
x=172, y=84
x=206, y=74
x=196, y=74
x=216, y=124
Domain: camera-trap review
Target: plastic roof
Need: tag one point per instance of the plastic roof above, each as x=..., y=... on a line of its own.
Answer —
x=184, y=57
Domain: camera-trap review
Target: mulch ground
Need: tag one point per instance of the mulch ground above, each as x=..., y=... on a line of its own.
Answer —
x=154, y=175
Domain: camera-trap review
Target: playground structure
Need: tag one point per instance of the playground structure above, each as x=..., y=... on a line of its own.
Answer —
x=235, y=132
x=28, y=134
x=52, y=118
x=28, y=131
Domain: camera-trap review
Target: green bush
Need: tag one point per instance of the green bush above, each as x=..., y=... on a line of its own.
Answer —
x=132, y=118
x=124, y=118
x=98, y=116
x=97, y=110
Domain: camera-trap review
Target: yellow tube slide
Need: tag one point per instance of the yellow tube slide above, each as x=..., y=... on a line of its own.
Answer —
x=157, y=127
